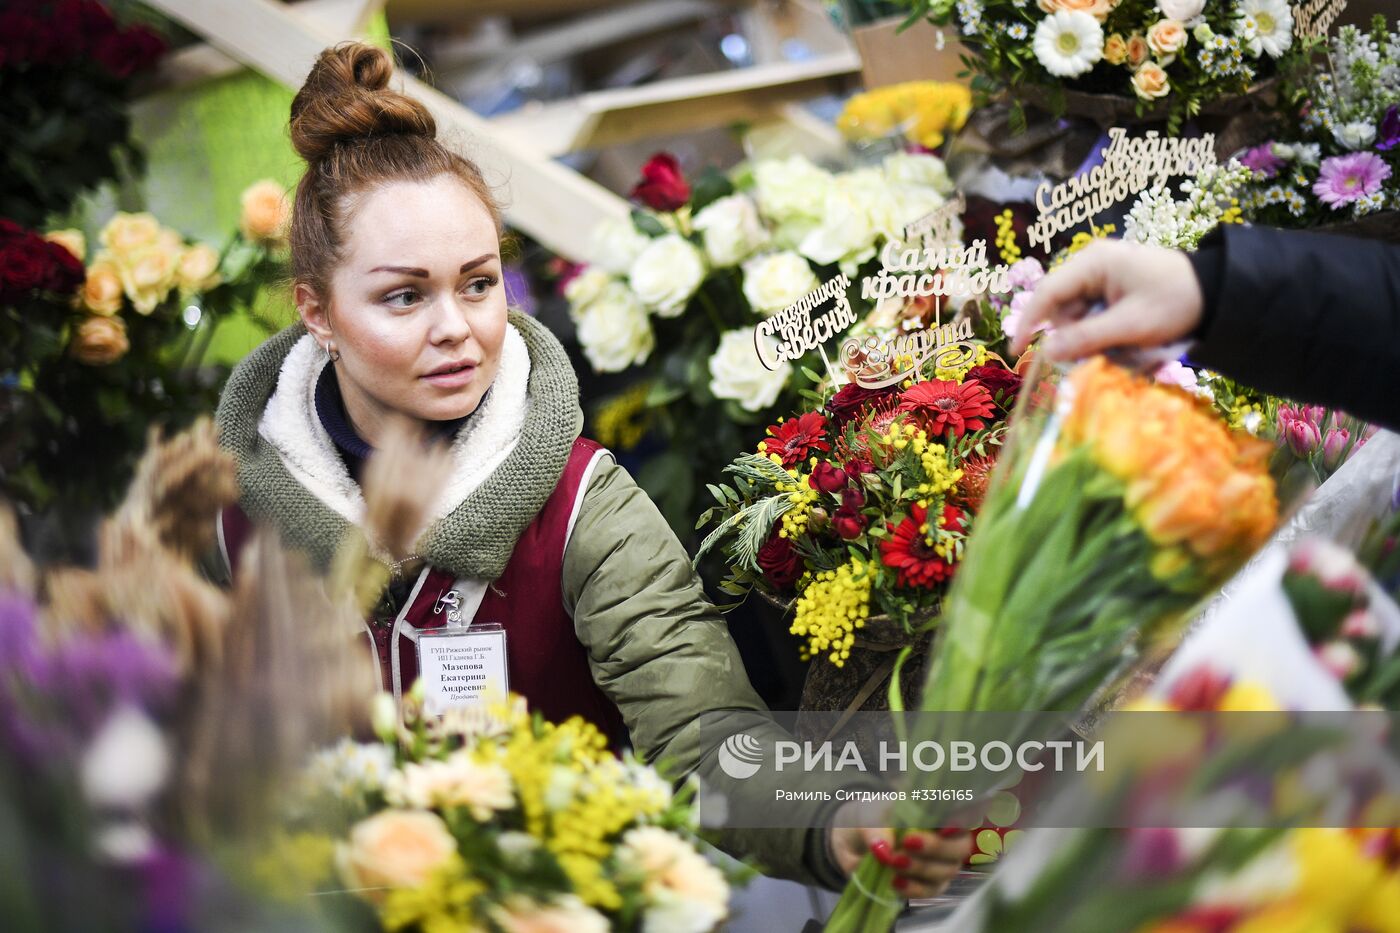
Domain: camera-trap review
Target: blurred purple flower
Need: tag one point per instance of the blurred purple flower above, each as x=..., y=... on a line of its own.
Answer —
x=1389, y=136
x=1263, y=160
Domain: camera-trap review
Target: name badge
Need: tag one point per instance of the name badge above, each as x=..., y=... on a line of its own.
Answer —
x=458, y=663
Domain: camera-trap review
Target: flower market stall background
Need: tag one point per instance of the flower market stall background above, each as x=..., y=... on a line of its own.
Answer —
x=679, y=176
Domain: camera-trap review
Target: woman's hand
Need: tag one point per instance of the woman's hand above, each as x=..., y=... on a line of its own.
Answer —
x=1152, y=295
x=924, y=862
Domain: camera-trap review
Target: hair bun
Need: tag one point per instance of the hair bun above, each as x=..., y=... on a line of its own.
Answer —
x=346, y=97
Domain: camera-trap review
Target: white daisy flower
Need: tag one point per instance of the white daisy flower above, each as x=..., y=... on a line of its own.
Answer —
x=1068, y=43
x=1265, y=26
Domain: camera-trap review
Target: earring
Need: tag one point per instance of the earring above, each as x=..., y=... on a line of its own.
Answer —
x=332, y=353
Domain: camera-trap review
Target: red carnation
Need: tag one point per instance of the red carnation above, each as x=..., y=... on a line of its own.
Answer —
x=851, y=401
x=909, y=552
x=795, y=438
x=949, y=406
x=780, y=562
x=827, y=478
x=663, y=187
x=1002, y=383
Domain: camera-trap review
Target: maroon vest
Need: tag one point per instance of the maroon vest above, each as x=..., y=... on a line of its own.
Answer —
x=548, y=664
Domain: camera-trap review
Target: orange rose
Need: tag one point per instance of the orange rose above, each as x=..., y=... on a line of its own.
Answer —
x=395, y=849
x=99, y=341
x=102, y=291
x=1138, y=49
x=1166, y=37
x=1115, y=49
x=266, y=212
x=1098, y=9
x=71, y=240
x=1150, y=81
x=198, y=269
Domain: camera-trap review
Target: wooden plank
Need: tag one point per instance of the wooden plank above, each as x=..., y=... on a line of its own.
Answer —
x=551, y=203
x=610, y=118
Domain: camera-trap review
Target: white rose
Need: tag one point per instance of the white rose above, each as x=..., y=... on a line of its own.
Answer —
x=457, y=781
x=667, y=273
x=915, y=168
x=854, y=212
x=737, y=373
x=1181, y=10
x=585, y=287
x=616, y=243
x=731, y=229
x=775, y=281
x=1355, y=135
x=790, y=189
x=614, y=330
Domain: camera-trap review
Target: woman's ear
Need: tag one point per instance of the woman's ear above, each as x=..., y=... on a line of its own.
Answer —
x=314, y=314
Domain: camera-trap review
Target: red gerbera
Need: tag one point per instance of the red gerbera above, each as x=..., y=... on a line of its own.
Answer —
x=909, y=552
x=949, y=406
x=795, y=438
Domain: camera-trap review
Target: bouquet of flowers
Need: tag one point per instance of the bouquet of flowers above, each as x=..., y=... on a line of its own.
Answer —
x=116, y=346
x=674, y=293
x=1174, y=55
x=491, y=818
x=921, y=112
x=66, y=67
x=862, y=508
x=1117, y=507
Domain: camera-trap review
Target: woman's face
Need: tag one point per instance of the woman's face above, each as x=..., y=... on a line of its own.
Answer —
x=417, y=309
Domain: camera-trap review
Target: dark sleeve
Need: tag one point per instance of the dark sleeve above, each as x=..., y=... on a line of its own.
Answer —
x=1309, y=316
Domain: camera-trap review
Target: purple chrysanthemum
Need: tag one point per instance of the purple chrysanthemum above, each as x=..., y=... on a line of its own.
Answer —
x=1262, y=159
x=1343, y=180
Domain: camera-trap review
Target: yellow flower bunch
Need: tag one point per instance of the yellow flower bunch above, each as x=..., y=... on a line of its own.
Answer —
x=941, y=477
x=1083, y=239
x=1191, y=483
x=145, y=262
x=443, y=903
x=831, y=609
x=802, y=495
x=1006, y=238
x=922, y=110
x=621, y=421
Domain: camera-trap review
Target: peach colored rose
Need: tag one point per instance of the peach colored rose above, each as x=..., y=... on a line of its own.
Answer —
x=148, y=276
x=1115, y=49
x=102, y=291
x=1150, y=81
x=198, y=269
x=99, y=341
x=1098, y=9
x=566, y=914
x=71, y=240
x=126, y=233
x=395, y=849
x=266, y=212
x=1166, y=37
x=1138, y=49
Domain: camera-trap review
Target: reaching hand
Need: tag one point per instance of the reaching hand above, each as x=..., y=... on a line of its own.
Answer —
x=1152, y=295
x=924, y=862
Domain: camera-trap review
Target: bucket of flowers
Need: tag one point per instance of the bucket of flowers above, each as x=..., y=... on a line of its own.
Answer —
x=852, y=515
x=1115, y=62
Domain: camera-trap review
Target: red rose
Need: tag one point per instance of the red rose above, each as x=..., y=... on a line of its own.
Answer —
x=663, y=187
x=125, y=53
x=848, y=520
x=827, y=478
x=1002, y=383
x=65, y=271
x=851, y=401
x=24, y=265
x=23, y=38
x=780, y=562
x=1199, y=691
x=9, y=229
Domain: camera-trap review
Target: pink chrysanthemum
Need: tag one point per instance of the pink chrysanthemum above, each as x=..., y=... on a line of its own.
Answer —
x=1343, y=180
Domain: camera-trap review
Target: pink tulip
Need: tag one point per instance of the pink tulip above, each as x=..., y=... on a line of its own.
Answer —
x=1334, y=447
x=1302, y=435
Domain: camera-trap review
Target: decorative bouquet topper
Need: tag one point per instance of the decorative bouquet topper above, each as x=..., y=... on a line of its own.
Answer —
x=793, y=332
x=1313, y=18
x=905, y=273
x=1131, y=165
